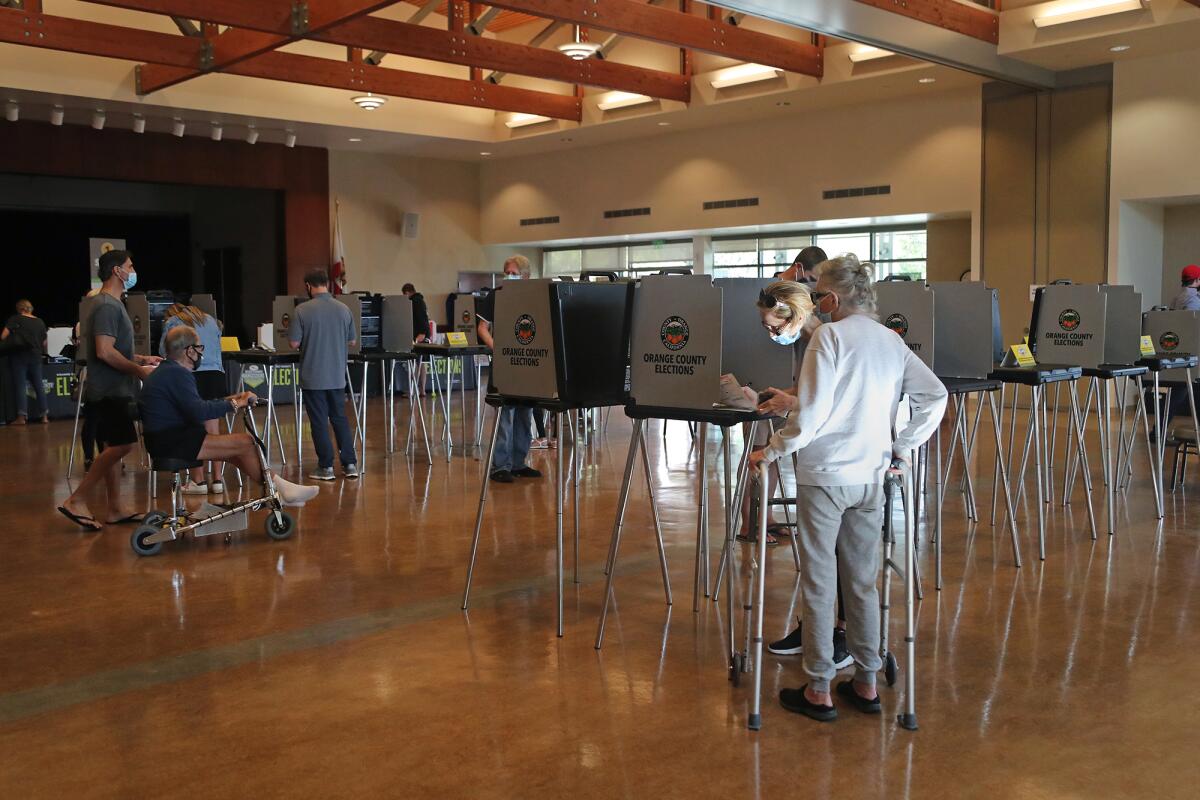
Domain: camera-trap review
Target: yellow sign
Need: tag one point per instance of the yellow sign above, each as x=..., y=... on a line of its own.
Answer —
x=230, y=344
x=1024, y=356
x=456, y=339
x=1147, y=345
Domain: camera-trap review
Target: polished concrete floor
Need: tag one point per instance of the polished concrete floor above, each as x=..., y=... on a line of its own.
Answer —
x=339, y=664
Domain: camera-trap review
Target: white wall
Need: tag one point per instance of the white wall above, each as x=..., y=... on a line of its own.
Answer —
x=926, y=148
x=1156, y=116
x=375, y=191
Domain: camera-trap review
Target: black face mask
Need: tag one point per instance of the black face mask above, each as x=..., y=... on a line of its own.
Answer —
x=195, y=362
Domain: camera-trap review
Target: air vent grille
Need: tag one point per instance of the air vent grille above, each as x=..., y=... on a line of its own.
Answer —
x=539, y=221
x=857, y=191
x=741, y=202
x=626, y=212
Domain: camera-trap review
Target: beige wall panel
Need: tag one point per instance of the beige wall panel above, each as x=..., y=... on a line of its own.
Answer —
x=1010, y=148
x=948, y=249
x=1078, y=199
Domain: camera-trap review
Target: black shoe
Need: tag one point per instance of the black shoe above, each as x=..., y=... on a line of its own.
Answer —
x=790, y=645
x=846, y=689
x=795, y=701
x=527, y=472
x=502, y=476
x=841, y=653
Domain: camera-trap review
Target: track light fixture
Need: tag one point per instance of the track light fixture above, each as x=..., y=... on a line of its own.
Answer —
x=178, y=127
x=290, y=139
x=98, y=119
x=251, y=135
x=139, y=123
x=56, y=115
x=12, y=111
x=217, y=132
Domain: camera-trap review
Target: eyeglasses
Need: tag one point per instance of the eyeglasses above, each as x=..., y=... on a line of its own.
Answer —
x=199, y=348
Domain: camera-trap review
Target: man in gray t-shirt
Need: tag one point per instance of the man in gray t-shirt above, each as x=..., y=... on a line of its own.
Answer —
x=323, y=330
x=113, y=371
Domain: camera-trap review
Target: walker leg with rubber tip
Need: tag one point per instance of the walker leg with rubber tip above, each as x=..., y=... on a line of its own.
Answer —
x=1008, y=501
x=1081, y=456
x=614, y=545
x=738, y=493
x=787, y=515
x=483, y=490
x=755, y=720
x=298, y=411
x=908, y=718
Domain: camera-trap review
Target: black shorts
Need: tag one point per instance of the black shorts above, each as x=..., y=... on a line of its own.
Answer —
x=182, y=444
x=211, y=384
x=113, y=419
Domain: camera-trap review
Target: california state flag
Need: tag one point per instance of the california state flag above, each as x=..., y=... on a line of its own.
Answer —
x=337, y=272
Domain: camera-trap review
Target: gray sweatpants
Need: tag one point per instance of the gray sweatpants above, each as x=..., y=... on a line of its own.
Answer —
x=850, y=519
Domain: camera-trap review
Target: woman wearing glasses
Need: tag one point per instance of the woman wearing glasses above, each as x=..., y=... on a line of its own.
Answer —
x=209, y=374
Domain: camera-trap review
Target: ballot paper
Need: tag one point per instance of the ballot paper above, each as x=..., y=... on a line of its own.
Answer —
x=734, y=395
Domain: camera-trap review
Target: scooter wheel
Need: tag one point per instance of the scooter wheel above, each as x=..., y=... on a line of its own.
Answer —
x=279, y=525
x=154, y=518
x=138, y=540
x=890, y=669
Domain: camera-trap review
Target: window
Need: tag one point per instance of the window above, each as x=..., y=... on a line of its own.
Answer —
x=893, y=251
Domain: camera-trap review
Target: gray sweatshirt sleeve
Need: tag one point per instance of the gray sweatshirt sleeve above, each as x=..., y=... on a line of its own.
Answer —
x=814, y=397
x=927, y=399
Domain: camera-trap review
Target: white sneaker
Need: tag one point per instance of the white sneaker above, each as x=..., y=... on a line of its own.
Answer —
x=293, y=494
x=192, y=488
x=216, y=487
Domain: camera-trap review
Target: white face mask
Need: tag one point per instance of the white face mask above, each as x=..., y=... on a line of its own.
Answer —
x=512, y=276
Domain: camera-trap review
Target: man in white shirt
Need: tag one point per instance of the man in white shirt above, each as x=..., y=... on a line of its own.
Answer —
x=854, y=374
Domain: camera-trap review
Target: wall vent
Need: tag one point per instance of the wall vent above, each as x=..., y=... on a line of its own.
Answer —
x=858, y=191
x=741, y=202
x=539, y=221
x=627, y=212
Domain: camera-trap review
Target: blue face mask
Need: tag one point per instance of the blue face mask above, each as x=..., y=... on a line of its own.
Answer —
x=785, y=339
x=130, y=280
x=512, y=277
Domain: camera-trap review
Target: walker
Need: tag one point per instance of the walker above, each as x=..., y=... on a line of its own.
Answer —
x=159, y=526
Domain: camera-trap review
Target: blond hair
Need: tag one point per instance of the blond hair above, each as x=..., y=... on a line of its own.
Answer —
x=522, y=264
x=852, y=281
x=787, y=300
x=189, y=315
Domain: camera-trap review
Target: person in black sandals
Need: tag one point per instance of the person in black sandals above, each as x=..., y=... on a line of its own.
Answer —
x=25, y=337
x=850, y=386
x=113, y=373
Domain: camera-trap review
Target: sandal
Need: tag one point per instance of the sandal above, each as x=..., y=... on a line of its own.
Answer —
x=749, y=538
x=85, y=522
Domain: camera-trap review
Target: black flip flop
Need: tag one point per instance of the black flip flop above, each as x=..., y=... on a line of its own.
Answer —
x=795, y=701
x=753, y=538
x=780, y=529
x=132, y=519
x=846, y=689
x=87, y=523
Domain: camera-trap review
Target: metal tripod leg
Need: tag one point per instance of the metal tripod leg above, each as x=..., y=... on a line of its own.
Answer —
x=1081, y=456
x=575, y=478
x=483, y=490
x=658, y=537
x=1150, y=449
x=1110, y=483
x=939, y=497
x=701, y=572
x=635, y=442
x=559, y=477
x=743, y=472
x=999, y=450
x=997, y=425
x=1037, y=444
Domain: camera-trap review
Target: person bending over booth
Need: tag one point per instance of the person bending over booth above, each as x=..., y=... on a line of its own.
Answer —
x=840, y=427
x=174, y=414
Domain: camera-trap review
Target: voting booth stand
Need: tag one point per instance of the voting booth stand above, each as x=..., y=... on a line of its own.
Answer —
x=949, y=327
x=559, y=347
x=1176, y=338
x=442, y=397
x=1095, y=327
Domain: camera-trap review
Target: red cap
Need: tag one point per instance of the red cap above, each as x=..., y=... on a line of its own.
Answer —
x=1190, y=273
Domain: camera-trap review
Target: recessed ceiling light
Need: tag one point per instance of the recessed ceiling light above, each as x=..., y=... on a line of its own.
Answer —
x=784, y=103
x=354, y=139
x=484, y=153
x=663, y=124
x=1118, y=48
x=566, y=139
x=927, y=80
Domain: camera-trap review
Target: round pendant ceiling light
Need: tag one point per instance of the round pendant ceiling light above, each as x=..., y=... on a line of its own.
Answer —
x=368, y=101
x=577, y=48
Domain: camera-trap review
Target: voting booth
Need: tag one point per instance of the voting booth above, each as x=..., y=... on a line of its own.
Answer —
x=283, y=310
x=1173, y=333
x=907, y=308
x=967, y=313
x=1122, y=324
x=746, y=351
x=675, y=351
x=397, y=321
x=1068, y=325
x=464, y=320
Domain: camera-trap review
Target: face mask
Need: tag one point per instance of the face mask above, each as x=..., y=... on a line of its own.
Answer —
x=512, y=277
x=130, y=280
x=195, y=362
x=785, y=339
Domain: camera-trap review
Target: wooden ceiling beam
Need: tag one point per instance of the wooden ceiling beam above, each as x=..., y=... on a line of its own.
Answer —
x=401, y=38
x=680, y=30
x=970, y=20
x=172, y=51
